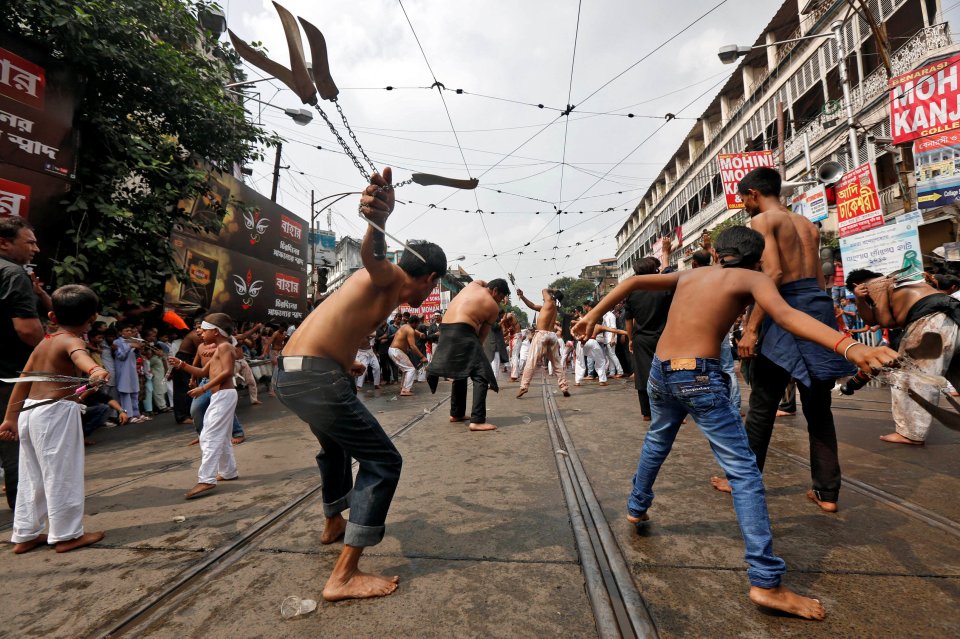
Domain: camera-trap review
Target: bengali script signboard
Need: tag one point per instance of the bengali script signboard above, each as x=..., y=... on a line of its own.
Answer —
x=925, y=101
x=733, y=166
x=430, y=305
x=937, y=169
x=885, y=250
x=811, y=204
x=858, y=203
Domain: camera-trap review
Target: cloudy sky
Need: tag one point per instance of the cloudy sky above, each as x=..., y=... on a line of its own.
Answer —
x=507, y=57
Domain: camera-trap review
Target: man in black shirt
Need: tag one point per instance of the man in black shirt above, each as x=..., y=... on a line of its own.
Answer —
x=20, y=327
x=645, y=315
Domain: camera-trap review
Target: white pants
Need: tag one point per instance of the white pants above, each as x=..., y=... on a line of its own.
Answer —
x=595, y=352
x=371, y=361
x=406, y=367
x=613, y=362
x=215, y=445
x=495, y=364
x=50, y=489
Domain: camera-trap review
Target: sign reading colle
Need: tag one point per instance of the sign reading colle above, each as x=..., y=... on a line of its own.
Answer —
x=925, y=101
x=858, y=203
x=884, y=250
x=733, y=166
x=937, y=169
x=811, y=204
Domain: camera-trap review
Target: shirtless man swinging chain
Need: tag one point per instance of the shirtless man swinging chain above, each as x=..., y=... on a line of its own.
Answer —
x=791, y=257
x=315, y=379
x=545, y=342
x=403, y=341
x=459, y=354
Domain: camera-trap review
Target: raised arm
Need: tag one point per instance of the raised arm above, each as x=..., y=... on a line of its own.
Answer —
x=376, y=205
x=529, y=304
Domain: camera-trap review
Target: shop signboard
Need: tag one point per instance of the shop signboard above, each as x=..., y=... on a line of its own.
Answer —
x=937, y=169
x=811, y=204
x=885, y=250
x=858, y=202
x=925, y=101
x=733, y=166
x=430, y=305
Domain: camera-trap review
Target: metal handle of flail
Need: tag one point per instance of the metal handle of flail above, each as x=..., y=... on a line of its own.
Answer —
x=399, y=241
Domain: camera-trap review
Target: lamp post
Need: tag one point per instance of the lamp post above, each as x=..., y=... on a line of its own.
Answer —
x=336, y=197
x=730, y=53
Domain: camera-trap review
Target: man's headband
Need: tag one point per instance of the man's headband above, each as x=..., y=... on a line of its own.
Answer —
x=205, y=325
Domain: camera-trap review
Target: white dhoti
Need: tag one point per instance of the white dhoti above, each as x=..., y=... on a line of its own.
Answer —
x=216, y=449
x=594, y=351
x=372, y=362
x=405, y=365
x=50, y=489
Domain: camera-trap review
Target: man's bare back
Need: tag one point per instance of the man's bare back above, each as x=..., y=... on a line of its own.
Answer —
x=405, y=338
x=474, y=306
x=792, y=246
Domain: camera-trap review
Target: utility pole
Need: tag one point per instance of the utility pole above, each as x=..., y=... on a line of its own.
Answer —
x=276, y=173
x=837, y=28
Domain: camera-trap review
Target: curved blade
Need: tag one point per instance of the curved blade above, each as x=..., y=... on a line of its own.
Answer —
x=262, y=62
x=947, y=418
x=302, y=85
x=321, y=66
x=427, y=179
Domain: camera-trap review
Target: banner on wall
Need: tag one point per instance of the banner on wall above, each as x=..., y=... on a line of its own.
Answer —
x=430, y=305
x=937, y=169
x=811, y=204
x=733, y=166
x=885, y=250
x=925, y=101
x=858, y=201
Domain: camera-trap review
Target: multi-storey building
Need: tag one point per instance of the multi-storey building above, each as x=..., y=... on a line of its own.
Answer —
x=604, y=275
x=803, y=79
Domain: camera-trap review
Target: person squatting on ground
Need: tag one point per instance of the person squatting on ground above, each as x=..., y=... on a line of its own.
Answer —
x=405, y=340
x=930, y=320
x=369, y=359
x=545, y=342
x=315, y=380
x=48, y=425
x=686, y=378
x=217, y=462
x=791, y=258
x=460, y=356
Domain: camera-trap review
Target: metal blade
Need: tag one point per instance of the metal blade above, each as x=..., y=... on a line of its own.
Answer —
x=42, y=378
x=427, y=179
x=948, y=418
x=398, y=241
x=262, y=62
x=302, y=84
x=321, y=67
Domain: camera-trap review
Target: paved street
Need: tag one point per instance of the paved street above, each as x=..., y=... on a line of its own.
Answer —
x=481, y=536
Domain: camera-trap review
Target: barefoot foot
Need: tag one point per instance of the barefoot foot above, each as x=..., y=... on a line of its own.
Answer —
x=359, y=585
x=636, y=521
x=333, y=529
x=522, y=392
x=721, y=484
x=238, y=440
x=27, y=546
x=785, y=600
x=194, y=442
x=897, y=438
x=83, y=540
x=826, y=506
x=783, y=413
x=199, y=489
x=222, y=478
x=566, y=393
x=454, y=420
x=647, y=418
x=482, y=427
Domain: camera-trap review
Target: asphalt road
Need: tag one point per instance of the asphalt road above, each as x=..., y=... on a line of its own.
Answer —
x=480, y=531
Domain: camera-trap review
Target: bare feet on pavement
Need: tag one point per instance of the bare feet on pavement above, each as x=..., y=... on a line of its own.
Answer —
x=826, y=506
x=783, y=413
x=359, y=585
x=721, y=484
x=522, y=392
x=482, y=427
x=194, y=442
x=199, y=489
x=785, y=600
x=83, y=540
x=27, y=546
x=333, y=529
x=638, y=520
x=897, y=438
x=239, y=440
x=454, y=420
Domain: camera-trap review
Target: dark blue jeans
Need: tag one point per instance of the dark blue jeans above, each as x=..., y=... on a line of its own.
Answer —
x=325, y=398
x=199, y=406
x=704, y=394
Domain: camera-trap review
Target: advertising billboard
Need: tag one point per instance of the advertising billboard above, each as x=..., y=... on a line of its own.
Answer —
x=937, y=169
x=733, y=166
x=924, y=102
x=811, y=204
x=858, y=202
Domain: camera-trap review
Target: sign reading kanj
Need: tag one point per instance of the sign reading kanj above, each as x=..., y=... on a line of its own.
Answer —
x=925, y=101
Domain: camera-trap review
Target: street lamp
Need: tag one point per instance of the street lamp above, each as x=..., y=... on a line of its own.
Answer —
x=730, y=53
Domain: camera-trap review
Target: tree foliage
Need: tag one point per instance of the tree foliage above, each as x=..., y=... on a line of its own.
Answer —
x=153, y=119
x=575, y=291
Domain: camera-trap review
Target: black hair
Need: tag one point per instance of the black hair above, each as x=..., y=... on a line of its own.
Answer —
x=436, y=260
x=946, y=281
x=11, y=226
x=646, y=266
x=765, y=180
x=744, y=245
x=859, y=276
x=702, y=258
x=414, y=319
x=74, y=304
x=220, y=320
x=500, y=286
x=590, y=303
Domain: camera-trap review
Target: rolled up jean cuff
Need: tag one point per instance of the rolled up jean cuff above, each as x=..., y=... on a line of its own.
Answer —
x=337, y=507
x=363, y=536
x=763, y=582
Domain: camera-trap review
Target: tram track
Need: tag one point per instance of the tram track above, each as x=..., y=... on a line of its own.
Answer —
x=619, y=609
x=188, y=582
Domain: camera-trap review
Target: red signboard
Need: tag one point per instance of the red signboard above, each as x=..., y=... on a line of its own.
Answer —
x=430, y=305
x=925, y=101
x=733, y=166
x=22, y=80
x=858, y=203
x=14, y=199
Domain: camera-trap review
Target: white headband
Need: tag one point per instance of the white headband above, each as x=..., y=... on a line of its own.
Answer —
x=205, y=325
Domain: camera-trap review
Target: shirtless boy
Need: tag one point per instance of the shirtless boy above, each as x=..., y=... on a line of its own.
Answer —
x=545, y=342
x=686, y=377
x=217, y=462
x=403, y=341
x=51, y=433
x=315, y=380
x=459, y=354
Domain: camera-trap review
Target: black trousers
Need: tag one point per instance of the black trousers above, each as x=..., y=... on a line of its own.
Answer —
x=643, y=350
x=624, y=356
x=181, y=386
x=9, y=453
x=769, y=383
x=458, y=400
